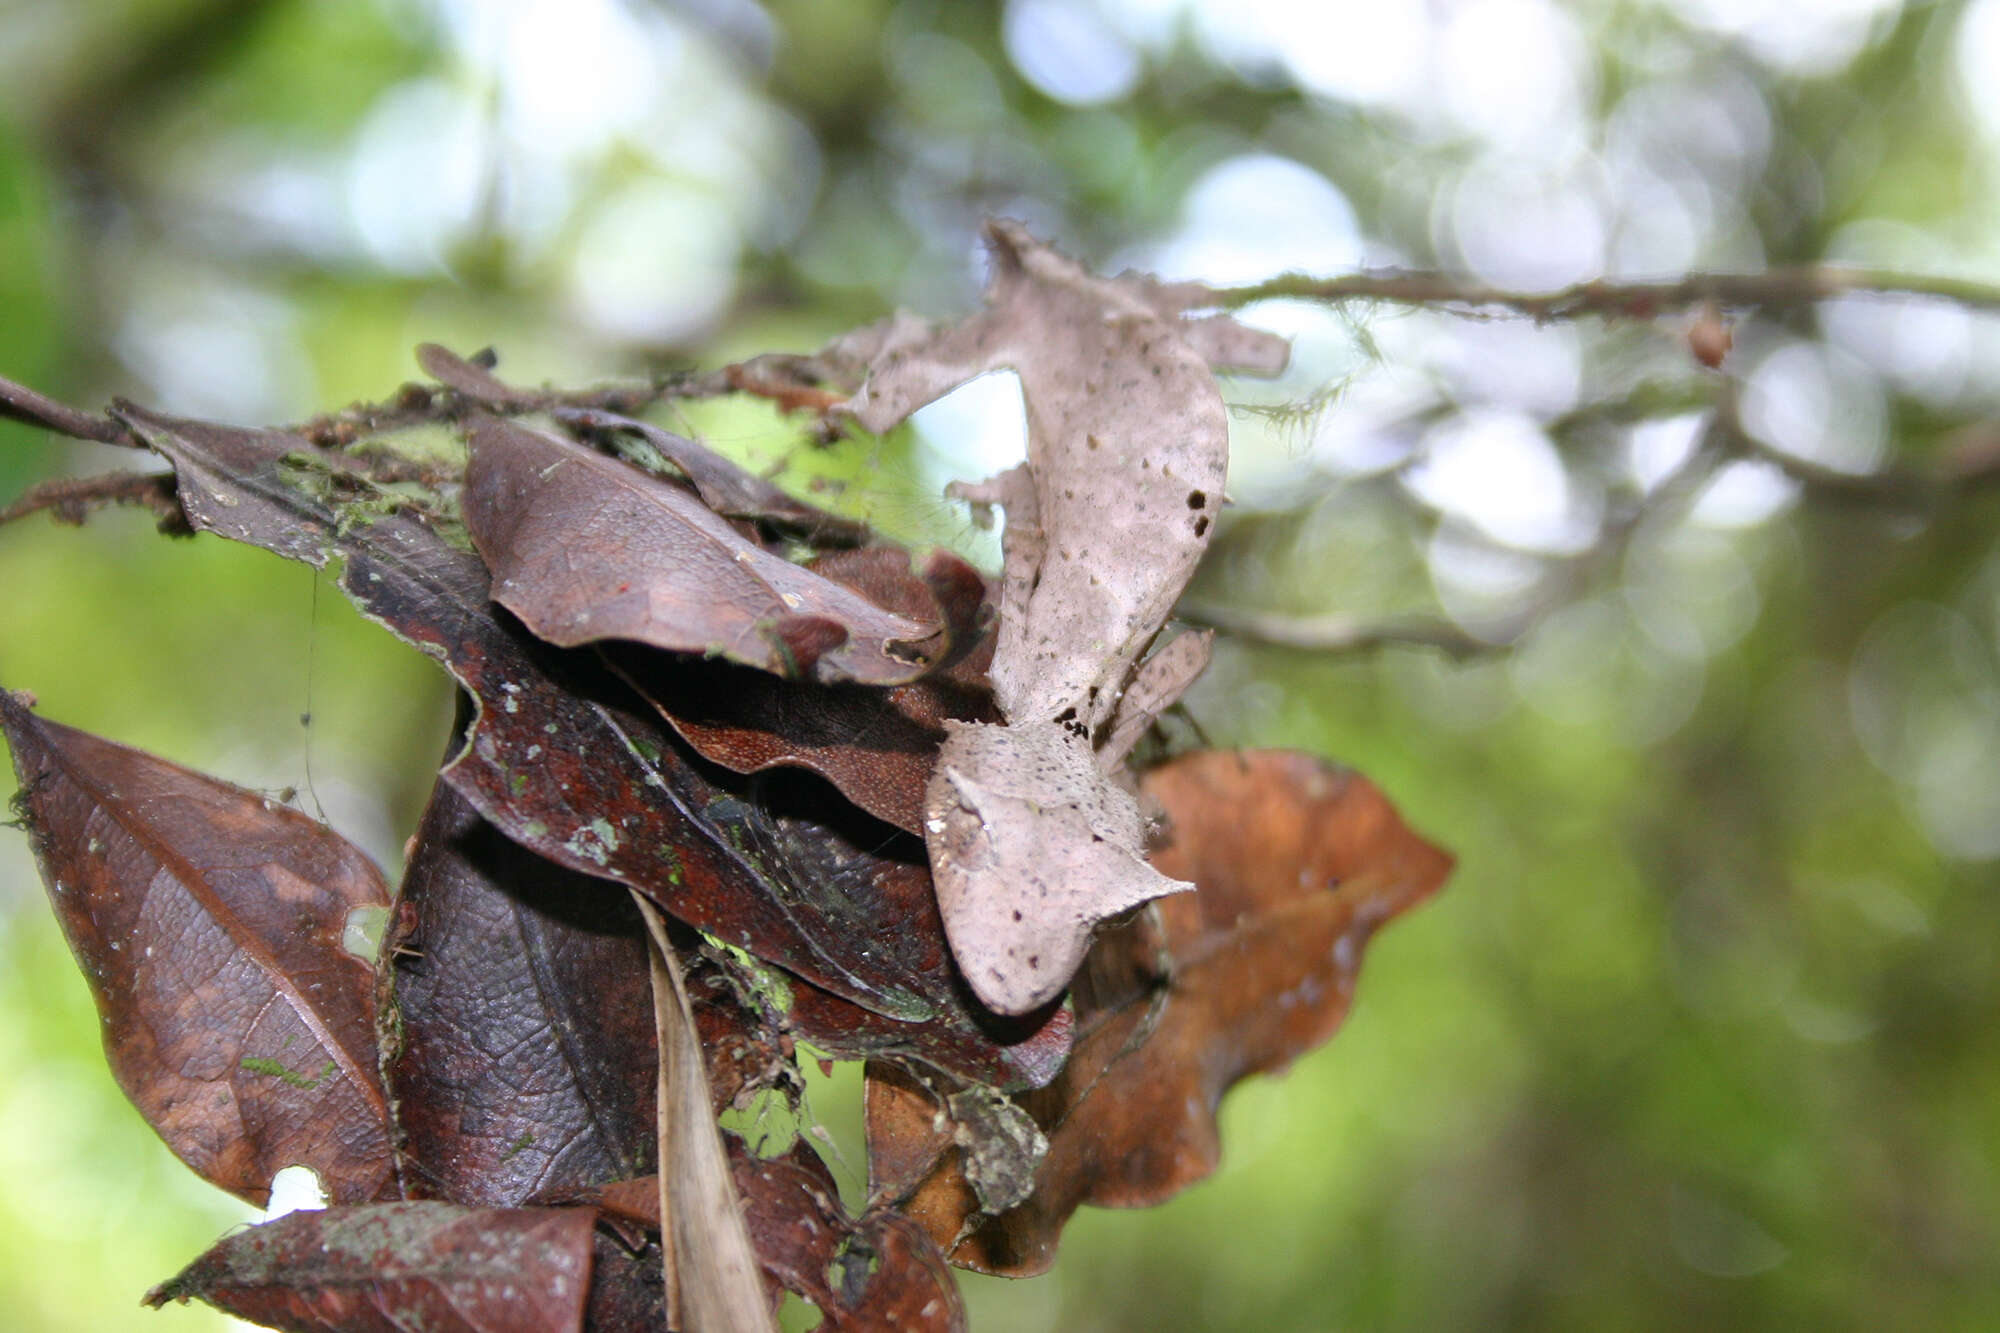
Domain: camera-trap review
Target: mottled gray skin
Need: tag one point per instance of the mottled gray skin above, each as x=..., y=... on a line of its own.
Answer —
x=1031, y=842
x=1128, y=450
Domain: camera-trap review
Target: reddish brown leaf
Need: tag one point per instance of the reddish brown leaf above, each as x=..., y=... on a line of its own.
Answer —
x=209, y=922
x=585, y=548
x=516, y=1018
x=392, y=1268
x=876, y=745
x=1297, y=862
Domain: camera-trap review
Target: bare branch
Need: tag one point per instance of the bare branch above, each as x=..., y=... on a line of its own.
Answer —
x=1335, y=633
x=20, y=403
x=1803, y=285
x=71, y=499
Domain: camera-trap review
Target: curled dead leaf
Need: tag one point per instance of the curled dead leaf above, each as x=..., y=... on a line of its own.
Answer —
x=585, y=548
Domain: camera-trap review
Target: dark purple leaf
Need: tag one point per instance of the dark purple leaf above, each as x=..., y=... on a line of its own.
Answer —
x=209, y=922
x=517, y=1019
x=399, y=1267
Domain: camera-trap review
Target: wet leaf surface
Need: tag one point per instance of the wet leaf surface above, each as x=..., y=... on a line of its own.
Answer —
x=391, y=1268
x=521, y=1051
x=585, y=548
x=209, y=923
x=1298, y=862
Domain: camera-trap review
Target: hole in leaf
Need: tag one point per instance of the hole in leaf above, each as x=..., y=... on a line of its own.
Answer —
x=362, y=935
x=769, y=1125
x=295, y=1189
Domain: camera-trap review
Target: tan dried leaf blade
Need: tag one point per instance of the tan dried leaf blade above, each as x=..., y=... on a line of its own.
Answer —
x=210, y=922
x=1298, y=862
x=585, y=548
x=1030, y=848
x=1128, y=450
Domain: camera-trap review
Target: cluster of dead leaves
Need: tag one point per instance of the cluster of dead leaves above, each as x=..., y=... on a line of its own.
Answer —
x=731, y=775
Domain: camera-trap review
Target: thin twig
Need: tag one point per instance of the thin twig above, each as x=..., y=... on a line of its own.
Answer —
x=1334, y=633
x=71, y=499
x=1802, y=285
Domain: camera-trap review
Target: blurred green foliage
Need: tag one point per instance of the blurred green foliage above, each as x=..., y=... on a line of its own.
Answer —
x=1700, y=1034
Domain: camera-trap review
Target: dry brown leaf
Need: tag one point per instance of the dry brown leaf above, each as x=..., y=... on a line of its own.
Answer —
x=1298, y=863
x=1128, y=450
x=1030, y=848
x=711, y=1270
x=1128, y=447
